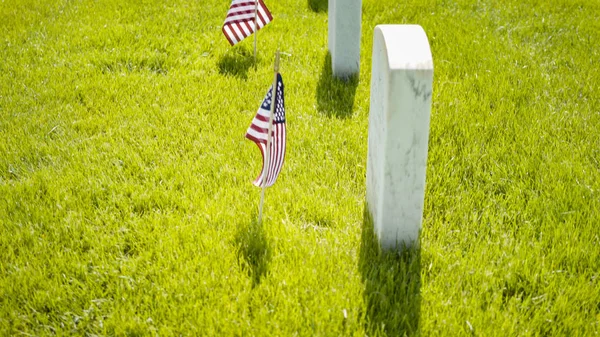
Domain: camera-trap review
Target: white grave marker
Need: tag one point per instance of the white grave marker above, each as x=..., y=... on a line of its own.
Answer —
x=344, y=36
x=401, y=88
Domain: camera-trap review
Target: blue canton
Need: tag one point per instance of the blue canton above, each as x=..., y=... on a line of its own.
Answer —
x=279, y=116
x=279, y=106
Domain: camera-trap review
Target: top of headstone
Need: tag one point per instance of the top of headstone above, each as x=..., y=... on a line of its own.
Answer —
x=407, y=46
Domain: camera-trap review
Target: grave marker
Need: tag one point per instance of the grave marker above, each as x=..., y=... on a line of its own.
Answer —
x=401, y=88
x=344, y=36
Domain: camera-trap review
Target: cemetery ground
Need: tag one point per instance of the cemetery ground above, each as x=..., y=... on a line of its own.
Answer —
x=126, y=203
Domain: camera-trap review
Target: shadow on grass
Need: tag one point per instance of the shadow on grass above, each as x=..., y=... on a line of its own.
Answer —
x=254, y=252
x=236, y=62
x=335, y=97
x=392, y=286
x=318, y=6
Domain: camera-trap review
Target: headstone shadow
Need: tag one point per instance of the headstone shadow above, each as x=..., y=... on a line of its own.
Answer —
x=318, y=6
x=236, y=62
x=335, y=97
x=254, y=253
x=392, y=282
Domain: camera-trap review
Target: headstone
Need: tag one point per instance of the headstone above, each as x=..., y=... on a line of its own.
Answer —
x=401, y=88
x=344, y=36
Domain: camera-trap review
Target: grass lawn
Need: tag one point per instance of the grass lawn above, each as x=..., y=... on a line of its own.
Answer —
x=126, y=203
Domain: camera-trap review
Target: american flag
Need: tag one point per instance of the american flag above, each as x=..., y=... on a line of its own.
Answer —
x=239, y=22
x=259, y=130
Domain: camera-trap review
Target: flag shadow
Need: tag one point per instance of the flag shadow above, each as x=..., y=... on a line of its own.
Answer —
x=236, y=62
x=392, y=282
x=254, y=253
x=318, y=6
x=335, y=97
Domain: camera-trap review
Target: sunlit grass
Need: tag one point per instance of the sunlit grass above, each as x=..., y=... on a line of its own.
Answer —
x=126, y=203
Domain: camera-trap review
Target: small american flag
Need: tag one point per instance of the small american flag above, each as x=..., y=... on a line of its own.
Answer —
x=239, y=22
x=259, y=130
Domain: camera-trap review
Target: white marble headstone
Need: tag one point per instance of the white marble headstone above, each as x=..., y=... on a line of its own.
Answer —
x=401, y=89
x=344, y=36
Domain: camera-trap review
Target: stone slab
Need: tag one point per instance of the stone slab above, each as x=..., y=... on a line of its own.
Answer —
x=344, y=32
x=400, y=107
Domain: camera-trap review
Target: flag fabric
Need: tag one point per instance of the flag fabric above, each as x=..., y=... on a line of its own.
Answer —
x=259, y=130
x=239, y=22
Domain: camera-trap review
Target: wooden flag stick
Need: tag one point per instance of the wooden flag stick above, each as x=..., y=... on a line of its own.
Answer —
x=269, y=138
x=255, y=27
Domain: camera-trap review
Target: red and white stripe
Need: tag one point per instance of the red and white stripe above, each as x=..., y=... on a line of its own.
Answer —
x=276, y=153
x=239, y=22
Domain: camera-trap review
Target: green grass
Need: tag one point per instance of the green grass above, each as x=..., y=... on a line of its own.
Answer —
x=126, y=203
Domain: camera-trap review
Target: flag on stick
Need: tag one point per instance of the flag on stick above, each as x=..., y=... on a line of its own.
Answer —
x=240, y=21
x=259, y=130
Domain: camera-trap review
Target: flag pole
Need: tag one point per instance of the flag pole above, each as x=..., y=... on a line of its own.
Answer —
x=255, y=27
x=269, y=139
